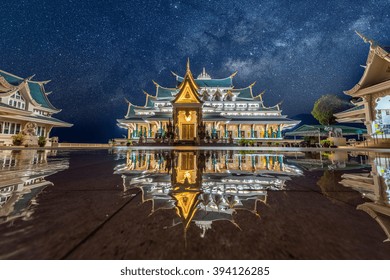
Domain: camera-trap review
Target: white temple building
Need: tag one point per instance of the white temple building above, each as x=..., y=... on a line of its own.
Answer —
x=196, y=109
x=25, y=108
x=371, y=96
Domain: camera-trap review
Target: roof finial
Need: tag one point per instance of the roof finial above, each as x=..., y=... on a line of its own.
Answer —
x=188, y=64
x=232, y=75
x=365, y=39
x=204, y=71
x=29, y=78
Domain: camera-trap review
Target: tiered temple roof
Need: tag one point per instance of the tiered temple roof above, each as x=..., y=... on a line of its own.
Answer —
x=15, y=91
x=221, y=102
x=35, y=89
x=375, y=82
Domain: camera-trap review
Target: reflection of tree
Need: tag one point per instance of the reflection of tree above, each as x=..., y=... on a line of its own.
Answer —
x=330, y=187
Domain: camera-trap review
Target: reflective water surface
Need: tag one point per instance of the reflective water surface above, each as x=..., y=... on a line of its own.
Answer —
x=132, y=204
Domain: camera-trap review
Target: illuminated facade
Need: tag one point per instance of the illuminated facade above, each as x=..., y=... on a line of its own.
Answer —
x=202, y=187
x=25, y=108
x=204, y=109
x=371, y=95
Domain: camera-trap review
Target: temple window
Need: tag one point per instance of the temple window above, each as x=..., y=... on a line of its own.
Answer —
x=40, y=131
x=16, y=100
x=10, y=128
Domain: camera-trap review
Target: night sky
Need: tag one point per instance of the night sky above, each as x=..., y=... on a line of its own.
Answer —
x=98, y=52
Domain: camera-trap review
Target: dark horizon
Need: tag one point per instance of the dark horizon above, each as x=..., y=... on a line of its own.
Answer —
x=97, y=53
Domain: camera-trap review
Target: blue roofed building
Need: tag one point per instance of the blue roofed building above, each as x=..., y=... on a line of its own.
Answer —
x=199, y=108
x=25, y=108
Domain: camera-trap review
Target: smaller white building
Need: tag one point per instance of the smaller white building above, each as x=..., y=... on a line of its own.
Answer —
x=25, y=108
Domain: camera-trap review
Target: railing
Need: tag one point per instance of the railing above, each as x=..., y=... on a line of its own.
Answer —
x=82, y=145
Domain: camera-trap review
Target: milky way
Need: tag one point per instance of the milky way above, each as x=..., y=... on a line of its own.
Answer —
x=98, y=52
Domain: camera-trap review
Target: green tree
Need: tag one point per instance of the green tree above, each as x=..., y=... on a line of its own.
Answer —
x=326, y=106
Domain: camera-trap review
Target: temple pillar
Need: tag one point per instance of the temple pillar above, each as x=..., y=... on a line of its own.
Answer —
x=128, y=133
x=238, y=131
x=226, y=131
x=266, y=131
x=279, y=134
x=252, y=131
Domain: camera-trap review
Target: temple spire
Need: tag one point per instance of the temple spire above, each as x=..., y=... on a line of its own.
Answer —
x=188, y=77
x=188, y=65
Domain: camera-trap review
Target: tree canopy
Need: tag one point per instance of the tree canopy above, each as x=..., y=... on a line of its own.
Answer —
x=326, y=106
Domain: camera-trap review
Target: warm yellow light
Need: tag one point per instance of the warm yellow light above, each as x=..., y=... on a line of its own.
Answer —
x=188, y=118
x=187, y=175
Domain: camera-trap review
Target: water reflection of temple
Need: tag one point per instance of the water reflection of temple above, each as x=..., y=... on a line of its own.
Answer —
x=204, y=187
x=337, y=160
x=374, y=186
x=22, y=178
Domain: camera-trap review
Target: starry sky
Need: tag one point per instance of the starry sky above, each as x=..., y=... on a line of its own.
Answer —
x=96, y=53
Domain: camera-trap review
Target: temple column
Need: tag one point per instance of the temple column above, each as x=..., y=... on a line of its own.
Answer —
x=226, y=131
x=266, y=131
x=238, y=131
x=252, y=131
x=128, y=133
x=281, y=163
x=279, y=135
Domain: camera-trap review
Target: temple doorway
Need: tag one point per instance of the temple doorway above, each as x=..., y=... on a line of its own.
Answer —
x=188, y=131
x=187, y=125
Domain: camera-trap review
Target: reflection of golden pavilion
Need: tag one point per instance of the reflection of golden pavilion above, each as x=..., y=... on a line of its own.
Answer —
x=376, y=187
x=204, y=187
x=22, y=178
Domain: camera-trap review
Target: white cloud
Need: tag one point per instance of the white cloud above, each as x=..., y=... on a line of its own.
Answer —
x=362, y=23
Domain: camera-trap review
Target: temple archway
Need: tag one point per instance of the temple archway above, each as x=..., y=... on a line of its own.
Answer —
x=187, y=122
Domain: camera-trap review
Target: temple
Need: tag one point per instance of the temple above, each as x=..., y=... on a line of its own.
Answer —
x=204, y=187
x=371, y=96
x=204, y=109
x=25, y=108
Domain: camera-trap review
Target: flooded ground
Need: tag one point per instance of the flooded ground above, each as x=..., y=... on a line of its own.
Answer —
x=132, y=204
